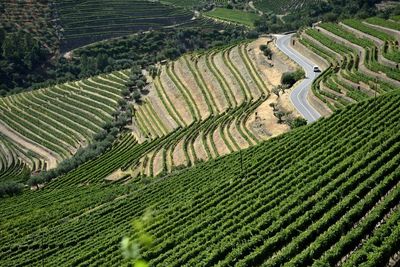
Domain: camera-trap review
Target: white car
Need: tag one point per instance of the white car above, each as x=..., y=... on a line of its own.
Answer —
x=316, y=69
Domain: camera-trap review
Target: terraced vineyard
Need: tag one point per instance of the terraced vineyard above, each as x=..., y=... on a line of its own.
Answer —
x=281, y=7
x=364, y=61
x=16, y=162
x=207, y=102
x=299, y=199
x=88, y=21
x=46, y=126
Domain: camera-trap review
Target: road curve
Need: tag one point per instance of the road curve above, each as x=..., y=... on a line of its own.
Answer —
x=299, y=94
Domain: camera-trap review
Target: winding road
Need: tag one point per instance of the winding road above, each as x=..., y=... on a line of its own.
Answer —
x=299, y=94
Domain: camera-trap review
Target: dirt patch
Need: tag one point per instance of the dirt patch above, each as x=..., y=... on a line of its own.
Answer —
x=186, y=77
x=115, y=176
x=265, y=123
x=271, y=70
x=158, y=163
x=219, y=143
x=179, y=155
x=241, y=66
x=199, y=148
x=238, y=138
x=176, y=98
x=213, y=86
x=229, y=78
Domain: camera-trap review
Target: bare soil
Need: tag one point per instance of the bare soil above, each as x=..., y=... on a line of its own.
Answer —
x=229, y=78
x=270, y=70
x=199, y=148
x=265, y=124
x=158, y=163
x=115, y=176
x=213, y=86
x=184, y=74
x=178, y=155
x=176, y=98
x=241, y=66
x=219, y=143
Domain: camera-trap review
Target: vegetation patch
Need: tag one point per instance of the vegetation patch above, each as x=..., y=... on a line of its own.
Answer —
x=235, y=16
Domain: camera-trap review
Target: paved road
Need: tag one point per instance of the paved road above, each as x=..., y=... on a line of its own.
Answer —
x=299, y=94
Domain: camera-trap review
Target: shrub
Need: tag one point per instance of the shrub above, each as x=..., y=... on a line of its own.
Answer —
x=297, y=122
x=8, y=189
x=290, y=78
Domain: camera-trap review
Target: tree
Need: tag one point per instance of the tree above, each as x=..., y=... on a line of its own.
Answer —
x=122, y=102
x=125, y=92
x=279, y=115
x=10, y=189
x=101, y=61
x=140, y=84
x=137, y=96
x=267, y=51
x=35, y=181
x=276, y=90
x=274, y=106
x=153, y=71
x=290, y=78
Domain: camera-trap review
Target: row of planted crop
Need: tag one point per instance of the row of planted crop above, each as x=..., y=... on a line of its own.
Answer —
x=366, y=44
x=151, y=127
x=66, y=116
x=352, y=74
x=272, y=148
x=114, y=244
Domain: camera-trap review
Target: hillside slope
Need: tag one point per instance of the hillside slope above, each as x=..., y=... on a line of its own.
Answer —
x=85, y=22
x=52, y=123
x=320, y=195
x=363, y=60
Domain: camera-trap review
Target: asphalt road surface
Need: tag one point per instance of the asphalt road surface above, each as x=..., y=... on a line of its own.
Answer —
x=299, y=94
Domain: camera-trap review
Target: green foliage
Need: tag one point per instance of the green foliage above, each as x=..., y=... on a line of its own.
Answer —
x=20, y=54
x=133, y=247
x=90, y=21
x=290, y=78
x=233, y=15
x=384, y=23
x=143, y=50
x=307, y=197
x=297, y=122
x=266, y=50
x=8, y=189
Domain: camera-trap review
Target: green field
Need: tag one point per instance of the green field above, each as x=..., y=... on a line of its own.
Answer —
x=300, y=199
x=220, y=193
x=283, y=6
x=235, y=16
